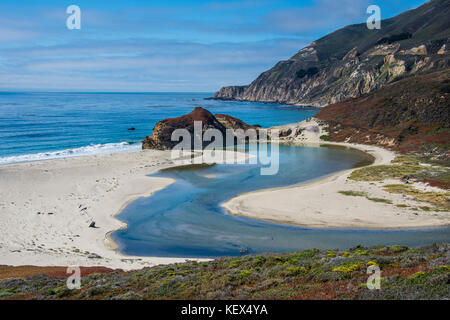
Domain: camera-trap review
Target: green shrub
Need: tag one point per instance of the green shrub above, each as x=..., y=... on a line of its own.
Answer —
x=245, y=273
x=296, y=271
x=353, y=193
x=378, y=173
x=380, y=200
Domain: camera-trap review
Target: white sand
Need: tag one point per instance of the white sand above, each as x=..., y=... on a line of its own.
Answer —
x=103, y=184
x=319, y=205
x=77, y=191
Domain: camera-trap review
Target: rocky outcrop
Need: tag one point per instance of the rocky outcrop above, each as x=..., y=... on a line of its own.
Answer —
x=230, y=93
x=354, y=60
x=161, y=139
x=233, y=123
x=443, y=50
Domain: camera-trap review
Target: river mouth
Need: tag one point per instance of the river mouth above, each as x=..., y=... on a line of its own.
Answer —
x=186, y=219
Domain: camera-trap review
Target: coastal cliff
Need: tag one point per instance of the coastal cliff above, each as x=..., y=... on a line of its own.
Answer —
x=355, y=60
x=230, y=93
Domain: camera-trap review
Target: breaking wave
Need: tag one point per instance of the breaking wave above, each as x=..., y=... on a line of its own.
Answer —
x=75, y=152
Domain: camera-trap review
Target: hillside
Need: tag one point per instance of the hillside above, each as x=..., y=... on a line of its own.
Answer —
x=406, y=273
x=355, y=60
x=411, y=114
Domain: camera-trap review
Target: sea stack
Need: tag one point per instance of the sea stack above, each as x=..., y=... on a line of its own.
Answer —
x=162, y=132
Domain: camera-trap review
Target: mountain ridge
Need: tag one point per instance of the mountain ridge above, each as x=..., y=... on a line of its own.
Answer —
x=354, y=60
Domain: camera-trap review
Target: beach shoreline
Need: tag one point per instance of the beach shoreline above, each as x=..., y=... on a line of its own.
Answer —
x=47, y=206
x=50, y=226
x=320, y=205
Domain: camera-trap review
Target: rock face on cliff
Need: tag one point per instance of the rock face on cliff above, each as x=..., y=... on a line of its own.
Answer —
x=161, y=139
x=230, y=93
x=411, y=114
x=355, y=60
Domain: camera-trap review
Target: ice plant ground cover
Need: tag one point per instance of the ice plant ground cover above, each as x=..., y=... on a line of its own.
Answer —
x=406, y=273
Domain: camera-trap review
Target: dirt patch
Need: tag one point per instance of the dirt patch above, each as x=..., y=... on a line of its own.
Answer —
x=56, y=272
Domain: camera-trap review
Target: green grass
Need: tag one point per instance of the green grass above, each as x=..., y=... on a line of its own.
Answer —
x=6, y=293
x=381, y=172
x=380, y=200
x=413, y=167
x=406, y=159
x=440, y=176
x=439, y=199
x=353, y=193
x=437, y=173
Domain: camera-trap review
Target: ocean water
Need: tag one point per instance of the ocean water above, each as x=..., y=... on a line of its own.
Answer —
x=36, y=126
x=194, y=224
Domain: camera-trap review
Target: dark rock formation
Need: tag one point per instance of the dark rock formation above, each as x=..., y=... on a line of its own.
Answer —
x=355, y=60
x=233, y=123
x=161, y=139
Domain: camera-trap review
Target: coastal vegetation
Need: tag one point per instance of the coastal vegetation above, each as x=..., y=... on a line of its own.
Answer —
x=353, y=193
x=439, y=199
x=406, y=273
x=381, y=172
x=410, y=116
x=364, y=194
x=408, y=169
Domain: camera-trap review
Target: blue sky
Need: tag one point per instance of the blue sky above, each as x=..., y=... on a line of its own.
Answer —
x=171, y=45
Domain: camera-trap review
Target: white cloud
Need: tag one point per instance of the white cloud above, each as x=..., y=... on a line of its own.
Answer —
x=141, y=64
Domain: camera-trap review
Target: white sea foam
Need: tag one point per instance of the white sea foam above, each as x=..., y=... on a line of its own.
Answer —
x=76, y=152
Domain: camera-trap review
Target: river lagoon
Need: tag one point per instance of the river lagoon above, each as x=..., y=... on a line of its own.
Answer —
x=186, y=219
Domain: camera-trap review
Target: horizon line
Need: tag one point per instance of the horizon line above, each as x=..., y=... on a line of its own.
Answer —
x=103, y=92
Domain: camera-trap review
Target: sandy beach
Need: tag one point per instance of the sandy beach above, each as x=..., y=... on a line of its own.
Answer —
x=46, y=207
x=320, y=205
